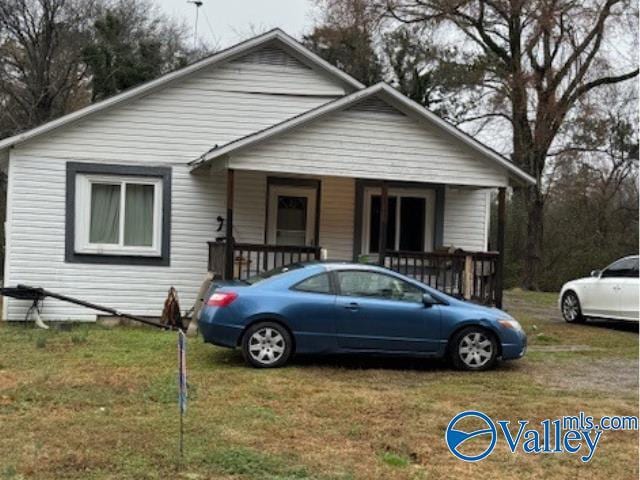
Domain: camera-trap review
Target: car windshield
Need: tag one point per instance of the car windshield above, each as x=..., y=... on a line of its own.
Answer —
x=272, y=273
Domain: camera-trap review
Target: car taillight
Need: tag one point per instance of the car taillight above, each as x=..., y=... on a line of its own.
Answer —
x=221, y=299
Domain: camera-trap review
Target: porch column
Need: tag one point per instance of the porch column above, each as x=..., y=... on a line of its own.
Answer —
x=384, y=218
x=502, y=215
x=229, y=242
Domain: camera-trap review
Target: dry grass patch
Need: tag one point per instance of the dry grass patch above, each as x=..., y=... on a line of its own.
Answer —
x=92, y=403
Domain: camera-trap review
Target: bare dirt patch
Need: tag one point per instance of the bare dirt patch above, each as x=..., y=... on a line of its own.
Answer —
x=619, y=376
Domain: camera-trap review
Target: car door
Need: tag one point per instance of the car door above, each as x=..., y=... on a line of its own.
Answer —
x=629, y=304
x=377, y=311
x=310, y=309
x=604, y=295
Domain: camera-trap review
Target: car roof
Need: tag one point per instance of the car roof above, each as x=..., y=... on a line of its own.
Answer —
x=344, y=265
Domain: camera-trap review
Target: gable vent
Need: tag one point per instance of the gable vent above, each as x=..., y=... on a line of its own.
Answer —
x=272, y=56
x=376, y=105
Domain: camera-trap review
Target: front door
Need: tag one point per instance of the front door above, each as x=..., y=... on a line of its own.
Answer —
x=292, y=215
x=376, y=311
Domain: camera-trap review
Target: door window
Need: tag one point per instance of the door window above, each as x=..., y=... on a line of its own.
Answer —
x=624, y=268
x=291, y=223
x=377, y=285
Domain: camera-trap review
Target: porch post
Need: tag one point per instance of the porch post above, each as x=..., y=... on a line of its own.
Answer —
x=502, y=215
x=229, y=242
x=384, y=218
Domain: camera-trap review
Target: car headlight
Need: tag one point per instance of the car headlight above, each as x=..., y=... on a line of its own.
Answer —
x=510, y=323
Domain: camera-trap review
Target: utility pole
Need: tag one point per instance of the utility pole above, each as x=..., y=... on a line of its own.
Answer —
x=197, y=4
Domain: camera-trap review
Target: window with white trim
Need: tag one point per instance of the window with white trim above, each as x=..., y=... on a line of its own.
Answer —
x=410, y=220
x=119, y=215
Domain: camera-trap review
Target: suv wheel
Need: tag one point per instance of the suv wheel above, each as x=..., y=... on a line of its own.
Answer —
x=266, y=345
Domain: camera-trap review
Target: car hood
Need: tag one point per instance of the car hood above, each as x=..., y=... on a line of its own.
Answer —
x=579, y=280
x=489, y=312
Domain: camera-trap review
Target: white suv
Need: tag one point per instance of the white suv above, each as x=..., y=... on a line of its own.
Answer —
x=610, y=293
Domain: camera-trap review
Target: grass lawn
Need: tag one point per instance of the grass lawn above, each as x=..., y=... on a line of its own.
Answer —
x=96, y=402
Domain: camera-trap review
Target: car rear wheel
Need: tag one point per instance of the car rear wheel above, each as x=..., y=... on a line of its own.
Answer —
x=266, y=345
x=473, y=348
x=571, y=311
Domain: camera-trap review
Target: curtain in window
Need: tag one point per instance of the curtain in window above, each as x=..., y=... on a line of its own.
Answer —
x=138, y=215
x=105, y=213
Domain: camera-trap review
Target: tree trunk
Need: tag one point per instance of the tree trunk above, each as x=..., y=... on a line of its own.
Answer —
x=534, y=202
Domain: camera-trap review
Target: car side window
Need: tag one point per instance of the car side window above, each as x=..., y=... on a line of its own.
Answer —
x=316, y=284
x=625, y=268
x=377, y=285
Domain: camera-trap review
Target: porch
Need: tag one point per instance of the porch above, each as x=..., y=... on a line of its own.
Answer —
x=383, y=220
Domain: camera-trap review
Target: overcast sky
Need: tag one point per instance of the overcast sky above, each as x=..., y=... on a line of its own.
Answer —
x=225, y=22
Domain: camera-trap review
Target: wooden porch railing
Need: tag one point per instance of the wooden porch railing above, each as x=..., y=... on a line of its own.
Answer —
x=469, y=275
x=251, y=259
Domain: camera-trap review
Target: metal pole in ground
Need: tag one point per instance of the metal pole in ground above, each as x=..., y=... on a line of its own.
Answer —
x=182, y=388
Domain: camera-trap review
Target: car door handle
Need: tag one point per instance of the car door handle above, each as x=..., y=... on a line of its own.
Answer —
x=353, y=306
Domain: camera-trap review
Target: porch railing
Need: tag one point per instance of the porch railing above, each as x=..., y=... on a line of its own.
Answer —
x=250, y=259
x=470, y=275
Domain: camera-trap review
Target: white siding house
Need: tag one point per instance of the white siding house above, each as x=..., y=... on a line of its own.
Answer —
x=304, y=140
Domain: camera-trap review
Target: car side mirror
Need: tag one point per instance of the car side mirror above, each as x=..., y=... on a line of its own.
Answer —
x=428, y=301
x=595, y=273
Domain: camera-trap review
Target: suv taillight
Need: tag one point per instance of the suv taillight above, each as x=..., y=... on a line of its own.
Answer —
x=221, y=299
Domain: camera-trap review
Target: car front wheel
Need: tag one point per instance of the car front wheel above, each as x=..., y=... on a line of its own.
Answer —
x=571, y=311
x=473, y=348
x=266, y=345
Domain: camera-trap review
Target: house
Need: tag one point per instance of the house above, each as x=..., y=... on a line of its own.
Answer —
x=257, y=156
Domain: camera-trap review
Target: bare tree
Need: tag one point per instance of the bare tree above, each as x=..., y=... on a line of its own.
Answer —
x=540, y=57
x=41, y=67
x=344, y=36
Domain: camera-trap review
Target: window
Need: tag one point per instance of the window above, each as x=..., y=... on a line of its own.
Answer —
x=377, y=285
x=316, y=284
x=374, y=229
x=624, y=268
x=409, y=221
x=118, y=214
x=291, y=221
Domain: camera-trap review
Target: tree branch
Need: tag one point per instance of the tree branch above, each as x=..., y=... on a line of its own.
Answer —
x=599, y=82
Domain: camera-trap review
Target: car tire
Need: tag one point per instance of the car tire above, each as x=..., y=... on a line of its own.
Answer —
x=474, y=349
x=266, y=345
x=570, y=307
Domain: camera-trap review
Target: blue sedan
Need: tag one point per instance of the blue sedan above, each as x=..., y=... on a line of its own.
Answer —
x=326, y=308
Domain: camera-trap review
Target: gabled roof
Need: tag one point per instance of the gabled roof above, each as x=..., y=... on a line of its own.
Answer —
x=283, y=40
x=383, y=90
